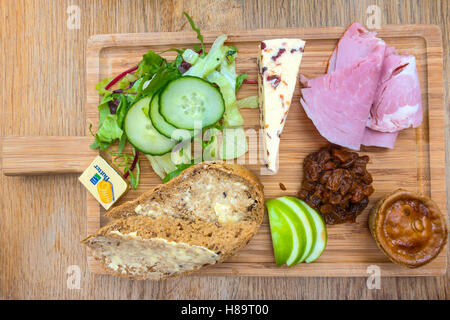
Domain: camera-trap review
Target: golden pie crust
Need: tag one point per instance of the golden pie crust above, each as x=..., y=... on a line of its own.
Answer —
x=409, y=228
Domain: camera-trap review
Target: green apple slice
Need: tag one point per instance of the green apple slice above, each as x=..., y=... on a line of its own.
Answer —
x=297, y=245
x=303, y=225
x=282, y=237
x=291, y=237
x=320, y=231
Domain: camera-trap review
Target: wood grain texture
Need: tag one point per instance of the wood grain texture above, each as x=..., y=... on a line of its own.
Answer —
x=350, y=248
x=45, y=155
x=43, y=88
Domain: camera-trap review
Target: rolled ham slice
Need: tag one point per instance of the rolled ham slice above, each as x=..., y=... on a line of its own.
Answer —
x=356, y=43
x=379, y=139
x=339, y=102
x=398, y=101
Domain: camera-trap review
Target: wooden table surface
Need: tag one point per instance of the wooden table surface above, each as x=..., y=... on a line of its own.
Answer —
x=42, y=66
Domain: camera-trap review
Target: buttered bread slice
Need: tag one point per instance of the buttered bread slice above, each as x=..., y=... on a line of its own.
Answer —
x=197, y=219
x=211, y=191
x=279, y=62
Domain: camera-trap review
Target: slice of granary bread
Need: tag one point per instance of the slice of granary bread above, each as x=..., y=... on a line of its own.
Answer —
x=199, y=218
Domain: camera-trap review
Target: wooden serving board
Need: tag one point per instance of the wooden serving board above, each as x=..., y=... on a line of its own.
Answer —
x=416, y=163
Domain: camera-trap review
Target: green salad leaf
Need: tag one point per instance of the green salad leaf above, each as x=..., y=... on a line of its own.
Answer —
x=180, y=168
x=240, y=79
x=211, y=148
x=134, y=178
x=190, y=56
x=230, y=55
x=151, y=63
x=232, y=117
x=103, y=108
x=100, y=87
x=122, y=143
x=160, y=79
x=197, y=30
x=225, y=140
x=125, y=82
x=249, y=102
x=234, y=143
x=97, y=143
x=121, y=110
x=207, y=64
x=110, y=130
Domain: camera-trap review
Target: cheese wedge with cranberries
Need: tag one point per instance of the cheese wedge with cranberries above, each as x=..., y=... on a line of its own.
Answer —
x=279, y=62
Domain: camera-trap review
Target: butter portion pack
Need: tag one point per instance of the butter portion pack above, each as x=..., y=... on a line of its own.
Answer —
x=104, y=182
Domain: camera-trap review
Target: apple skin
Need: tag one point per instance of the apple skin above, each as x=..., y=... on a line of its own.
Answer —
x=282, y=237
x=291, y=231
x=303, y=229
x=298, y=231
x=320, y=230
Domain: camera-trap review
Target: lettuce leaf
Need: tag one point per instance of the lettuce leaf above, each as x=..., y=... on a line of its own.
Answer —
x=165, y=167
x=230, y=55
x=249, y=102
x=110, y=130
x=103, y=108
x=211, y=148
x=205, y=65
x=160, y=79
x=190, y=56
x=151, y=63
x=240, y=79
x=228, y=70
x=101, y=86
x=121, y=110
x=122, y=143
x=125, y=82
x=180, y=168
x=232, y=117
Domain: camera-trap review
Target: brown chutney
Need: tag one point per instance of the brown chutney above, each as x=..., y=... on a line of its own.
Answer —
x=336, y=183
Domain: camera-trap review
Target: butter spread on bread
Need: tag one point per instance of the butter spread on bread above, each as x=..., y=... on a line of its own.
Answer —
x=208, y=191
x=197, y=219
x=129, y=253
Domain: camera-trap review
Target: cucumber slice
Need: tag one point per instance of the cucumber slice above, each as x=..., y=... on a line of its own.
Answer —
x=161, y=125
x=190, y=102
x=141, y=133
x=320, y=231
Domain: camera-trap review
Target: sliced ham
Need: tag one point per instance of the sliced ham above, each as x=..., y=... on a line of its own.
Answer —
x=398, y=102
x=339, y=102
x=379, y=139
x=356, y=43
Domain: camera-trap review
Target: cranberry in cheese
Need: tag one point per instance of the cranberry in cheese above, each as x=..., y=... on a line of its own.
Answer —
x=279, y=62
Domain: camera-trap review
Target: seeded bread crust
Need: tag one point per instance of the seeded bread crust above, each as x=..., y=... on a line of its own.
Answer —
x=232, y=170
x=225, y=240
